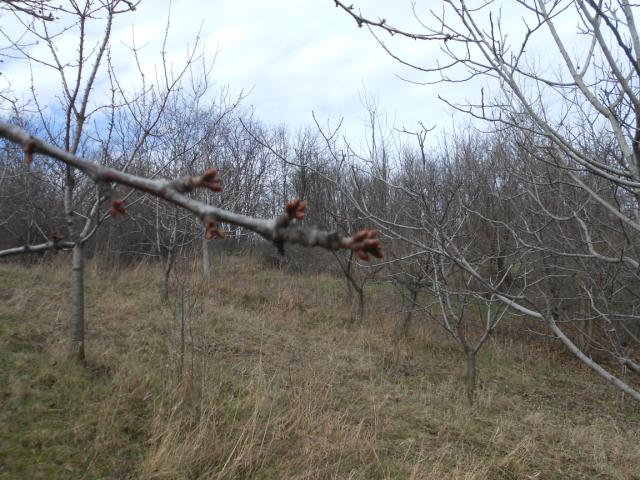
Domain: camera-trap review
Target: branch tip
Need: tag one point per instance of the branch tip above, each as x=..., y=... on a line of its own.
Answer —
x=117, y=208
x=209, y=179
x=29, y=150
x=365, y=244
x=213, y=230
x=295, y=209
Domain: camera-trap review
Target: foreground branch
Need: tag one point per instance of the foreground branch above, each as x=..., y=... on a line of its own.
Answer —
x=278, y=230
x=39, y=248
x=34, y=8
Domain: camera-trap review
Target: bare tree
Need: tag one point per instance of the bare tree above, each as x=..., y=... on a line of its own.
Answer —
x=76, y=133
x=578, y=129
x=459, y=306
x=77, y=81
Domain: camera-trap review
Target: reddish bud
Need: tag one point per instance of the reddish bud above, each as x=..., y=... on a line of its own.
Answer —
x=213, y=230
x=361, y=235
x=362, y=255
x=295, y=209
x=117, y=208
x=29, y=150
x=366, y=243
x=210, y=179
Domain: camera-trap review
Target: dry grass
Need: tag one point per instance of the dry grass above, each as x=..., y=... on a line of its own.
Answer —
x=273, y=383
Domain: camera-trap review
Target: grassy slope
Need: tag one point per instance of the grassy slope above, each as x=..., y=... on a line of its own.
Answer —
x=273, y=385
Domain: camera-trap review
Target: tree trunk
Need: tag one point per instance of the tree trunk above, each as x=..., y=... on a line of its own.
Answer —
x=360, y=313
x=402, y=326
x=164, y=294
x=167, y=266
x=401, y=329
x=180, y=317
x=77, y=302
x=470, y=380
x=349, y=294
x=206, y=264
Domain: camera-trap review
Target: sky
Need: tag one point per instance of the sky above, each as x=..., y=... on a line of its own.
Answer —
x=291, y=58
x=295, y=57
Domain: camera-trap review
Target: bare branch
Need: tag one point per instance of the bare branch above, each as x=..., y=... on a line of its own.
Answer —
x=39, y=248
x=277, y=230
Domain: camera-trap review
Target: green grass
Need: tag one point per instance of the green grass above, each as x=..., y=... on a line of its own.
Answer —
x=51, y=410
x=276, y=383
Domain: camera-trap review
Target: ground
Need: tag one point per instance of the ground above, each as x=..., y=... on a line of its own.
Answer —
x=269, y=379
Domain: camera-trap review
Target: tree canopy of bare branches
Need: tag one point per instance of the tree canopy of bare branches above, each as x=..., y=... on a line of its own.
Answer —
x=549, y=222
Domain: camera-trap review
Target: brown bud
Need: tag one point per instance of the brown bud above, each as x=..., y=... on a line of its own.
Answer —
x=213, y=230
x=117, y=208
x=209, y=179
x=295, y=209
x=29, y=150
x=363, y=256
x=361, y=235
x=366, y=243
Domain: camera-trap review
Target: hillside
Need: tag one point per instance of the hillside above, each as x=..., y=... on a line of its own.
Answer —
x=272, y=381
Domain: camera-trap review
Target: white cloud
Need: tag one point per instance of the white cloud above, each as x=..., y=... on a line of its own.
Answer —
x=294, y=56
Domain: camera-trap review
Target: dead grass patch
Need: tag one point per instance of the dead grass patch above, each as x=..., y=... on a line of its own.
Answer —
x=275, y=383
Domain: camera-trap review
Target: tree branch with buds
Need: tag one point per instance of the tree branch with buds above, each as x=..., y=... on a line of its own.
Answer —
x=279, y=230
x=38, y=248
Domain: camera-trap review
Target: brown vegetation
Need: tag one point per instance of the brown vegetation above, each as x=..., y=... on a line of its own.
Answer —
x=275, y=382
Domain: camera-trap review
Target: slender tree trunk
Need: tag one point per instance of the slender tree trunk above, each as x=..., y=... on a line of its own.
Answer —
x=180, y=317
x=349, y=292
x=167, y=266
x=360, y=313
x=401, y=329
x=206, y=264
x=470, y=380
x=164, y=294
x=352, y=286
x=77, y=302
x=402, y=326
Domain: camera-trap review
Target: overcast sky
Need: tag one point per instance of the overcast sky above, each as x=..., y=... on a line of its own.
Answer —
x=295, y=57
x=291, y=56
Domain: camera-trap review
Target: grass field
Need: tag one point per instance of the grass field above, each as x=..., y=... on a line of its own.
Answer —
x=260, y=375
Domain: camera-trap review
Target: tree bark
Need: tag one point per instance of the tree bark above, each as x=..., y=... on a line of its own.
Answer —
x=360, y=312
x=167, y=266
x=206, y=264
x=164, y=293
x=180, y=318
x=402, y=326
x=470, y=380
x=77, y=302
